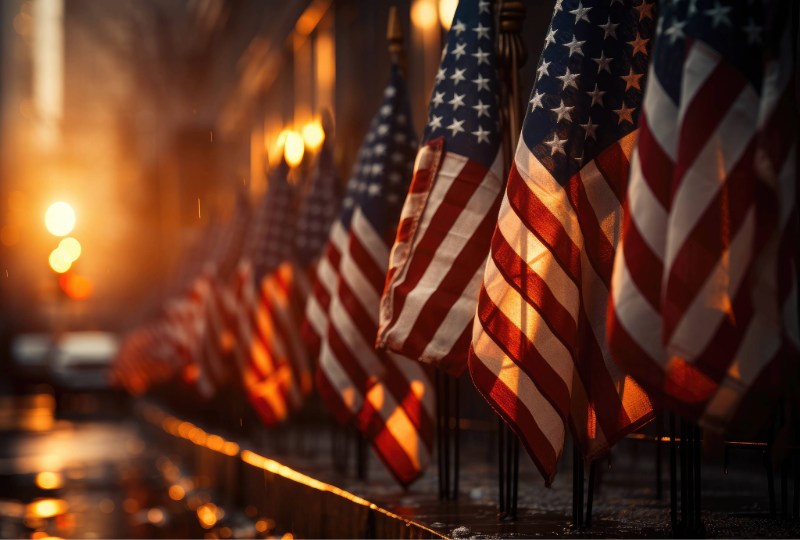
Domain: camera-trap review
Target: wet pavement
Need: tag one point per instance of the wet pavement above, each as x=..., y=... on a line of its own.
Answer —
x=85, y=476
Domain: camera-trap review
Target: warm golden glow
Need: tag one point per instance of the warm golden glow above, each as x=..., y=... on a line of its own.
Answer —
x=170, y=424
x=176, y=492
x=47, y=508
x=60, y=260
x=49, y=480
x=9, y=235
x=447, y=9
x=287, y=536
x=60, y=219
x=225, y=532
x=313, y=135
x=130, y=505
x=293, y=148
x=77, y=287
x=208, y=514
x=423, y=13
x=72, y=246
x=106, y=506
x=154, y=515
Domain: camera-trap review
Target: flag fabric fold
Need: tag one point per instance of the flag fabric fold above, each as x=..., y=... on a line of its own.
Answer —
x=390, y=398
x=704, y=293
x=273, y=362
x=439, y=253
x=539, y=353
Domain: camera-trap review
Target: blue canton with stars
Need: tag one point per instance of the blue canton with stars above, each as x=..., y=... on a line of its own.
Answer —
x=735, y=29
x=589, y=82
x=270, y=239
x=382, y=173
x=463, y=107
x=319, y=208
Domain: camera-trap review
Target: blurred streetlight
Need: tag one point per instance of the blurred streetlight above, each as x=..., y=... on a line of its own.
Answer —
x=423, y=13
x=447, y=9
x=293, y=148
x=60, y=260
x=72, y=246
x=313, y=135
x=59, y=219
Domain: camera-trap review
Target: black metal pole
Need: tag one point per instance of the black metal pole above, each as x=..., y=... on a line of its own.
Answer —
x=590, y=495
x=795, y=485
x=515, y=489
x=439, y=434
x=575, y=503
x=698, y=487
x=659, y=435
x=684, y=472
x=509, y=468
x=580, y=489
x=446, y=422
x=673, y=475
x=457, y=449
x=690, y=476
x=500, y=464
x=770, y=481
x=784, y=468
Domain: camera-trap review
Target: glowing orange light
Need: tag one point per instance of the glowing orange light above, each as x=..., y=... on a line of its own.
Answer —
x=9, y=235
x=49, y=480
x=76, y=287
x=47, y=508
x=287, y=536
x=176, y=493
x=313, y=135
x=60, y=260
x=261, y=525
x=72, y=246
x=130, y=505
x=293, y=148
x=447, y=9
x=154, y=515
x=60, y=219
x=423, y=13
x=225, y=532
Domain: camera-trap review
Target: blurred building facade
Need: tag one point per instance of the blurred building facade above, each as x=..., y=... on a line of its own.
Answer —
x=147, y=116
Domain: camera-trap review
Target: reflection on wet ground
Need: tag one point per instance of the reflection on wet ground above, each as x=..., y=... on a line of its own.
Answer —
x=85, y=476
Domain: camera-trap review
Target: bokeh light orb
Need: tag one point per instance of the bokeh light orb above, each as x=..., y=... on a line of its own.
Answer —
x=447, y=10
x=72, y=246
x=423, y=13
x=313, y=135
x=49, y=480
x=60, y=219
x=293, y=148
x=60, y=260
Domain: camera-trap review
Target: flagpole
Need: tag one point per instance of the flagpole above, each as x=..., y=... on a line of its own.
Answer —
x=511, y=56
x=394, y=35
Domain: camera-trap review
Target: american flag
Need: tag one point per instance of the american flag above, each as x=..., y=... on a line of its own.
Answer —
x=215, y=355
x=539, y=351
x=169, y=344
x=142, y=360
x=390, y=397
x=704, y=298
x=273, y=362
x=313, y=227
x=440, y=251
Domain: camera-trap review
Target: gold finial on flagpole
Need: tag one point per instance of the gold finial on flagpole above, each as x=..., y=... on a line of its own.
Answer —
x=394, y=35
x=511, y=55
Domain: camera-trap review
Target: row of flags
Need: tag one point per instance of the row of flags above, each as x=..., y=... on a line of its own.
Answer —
x=639, y=254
